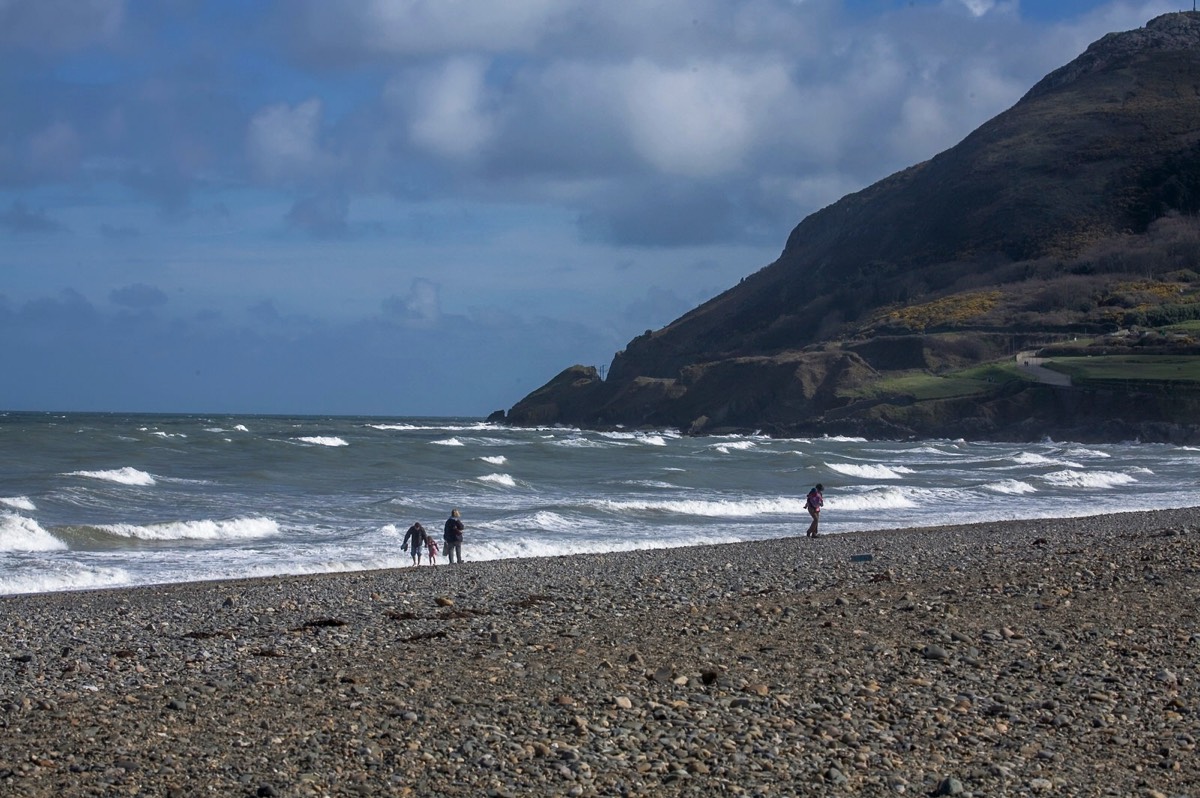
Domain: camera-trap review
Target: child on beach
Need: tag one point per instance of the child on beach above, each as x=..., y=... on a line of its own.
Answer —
x=416, y=533
x=814, y=503
x=432, y=548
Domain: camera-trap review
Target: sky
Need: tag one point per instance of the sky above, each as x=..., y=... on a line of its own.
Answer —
x=431, y=207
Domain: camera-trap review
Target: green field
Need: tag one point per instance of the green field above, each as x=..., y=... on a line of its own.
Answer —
x=920, y=386
x=1160, y=368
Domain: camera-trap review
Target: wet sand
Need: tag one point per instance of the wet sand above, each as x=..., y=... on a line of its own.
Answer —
x=1049, y=657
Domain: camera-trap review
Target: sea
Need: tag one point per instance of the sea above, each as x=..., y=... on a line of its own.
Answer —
x=91, y=501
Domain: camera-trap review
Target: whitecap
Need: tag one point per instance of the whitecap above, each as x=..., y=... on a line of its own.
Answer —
x=1032, y=458
x=709, y=508
x=494, y=460
x=733, y=446
x=18, y=533
x=886, y=499
x=240, y=428
x=123, y=476
x=499, y=479
x=49, y=577
x=19, y=503
x=448, y=442
x=1010, y=486
x=233, y=529
x=324, y=440
x=1088, y=479
x=869, y=471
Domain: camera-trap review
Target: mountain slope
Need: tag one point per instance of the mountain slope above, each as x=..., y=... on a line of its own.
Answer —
x=1033, y=227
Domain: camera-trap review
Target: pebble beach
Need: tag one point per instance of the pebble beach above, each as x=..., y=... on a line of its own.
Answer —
x=1044, y=657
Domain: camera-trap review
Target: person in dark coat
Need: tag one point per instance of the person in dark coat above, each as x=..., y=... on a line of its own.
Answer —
x=452, y=536
x=417, y=534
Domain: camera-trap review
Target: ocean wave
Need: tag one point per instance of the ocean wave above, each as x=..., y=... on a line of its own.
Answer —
x=1088, y=479
x=499, y=479
x=233, y=529
x=448, y=442
x=719, y=508
x=578, y=443
x=18, y=533
x=18, y=503
x=324, y=440
x=1079, y=451
x=51, y=577
x=869, y=471
x=1033, y=458
x=1010, y=486
x=498, y=459
x=122, y=476
x=842, y=439
x=886, y=499
x=241, y=428
x=733, y=446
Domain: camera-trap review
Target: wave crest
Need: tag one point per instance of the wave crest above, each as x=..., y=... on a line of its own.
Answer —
x=122, y=476
x=205, y=529
x=18, y=533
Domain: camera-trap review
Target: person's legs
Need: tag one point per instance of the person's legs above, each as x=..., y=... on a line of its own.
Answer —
x=458, y=551
x=812, y=528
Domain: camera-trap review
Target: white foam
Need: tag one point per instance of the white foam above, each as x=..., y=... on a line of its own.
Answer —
x=499, y=479
x=843, y=439
x=1010, y=486
x=494, y=460
x=61, y=576
x=324, y=440
x=1032, y=458
x=885, y=499
x=161, y=434
x=578, y=443
x=1079, y=451
x=18, y=533
x=869, y=471
x=233, y=529
x=122, y=476
x=729, y=508
x=240, y=428
x=448, y=442
x=733, y=446
x=1088, y=479
x=18, y=503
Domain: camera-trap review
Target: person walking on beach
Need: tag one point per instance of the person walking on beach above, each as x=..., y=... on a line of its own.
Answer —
x=417, y=534
x=452, y=536
x=432, y=550
x=814, y=503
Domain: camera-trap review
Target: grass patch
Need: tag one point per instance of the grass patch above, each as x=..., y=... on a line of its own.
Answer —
x=1162, y=368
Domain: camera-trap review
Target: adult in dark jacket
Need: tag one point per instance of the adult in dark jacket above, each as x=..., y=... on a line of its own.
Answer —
x=453, y=536
x=416, y=533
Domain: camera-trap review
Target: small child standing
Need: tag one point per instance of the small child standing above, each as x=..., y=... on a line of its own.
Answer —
x=433, y=549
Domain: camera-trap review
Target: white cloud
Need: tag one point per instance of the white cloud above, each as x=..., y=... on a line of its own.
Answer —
x=700, y=121
x=282, y=141
x=448, y=116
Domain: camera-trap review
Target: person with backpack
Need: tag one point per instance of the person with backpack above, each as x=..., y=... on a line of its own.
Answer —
x=814, y=503
x=417, y=534
x=452, y=536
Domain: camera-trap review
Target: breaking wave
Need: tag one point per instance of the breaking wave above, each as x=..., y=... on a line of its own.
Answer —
x=324, y=440
x=19, y=503
x=1088, y=479
x=233, y=529
x=18, y=533
x=122, y=476
x=869, y=471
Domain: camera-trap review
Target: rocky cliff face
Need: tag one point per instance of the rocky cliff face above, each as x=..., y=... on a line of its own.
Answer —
x=1095, y=152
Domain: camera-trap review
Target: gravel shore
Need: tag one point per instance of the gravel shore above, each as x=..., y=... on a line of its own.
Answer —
x=1048, y=657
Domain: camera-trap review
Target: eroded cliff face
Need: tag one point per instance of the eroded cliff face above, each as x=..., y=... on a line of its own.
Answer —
x=1095, y=152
